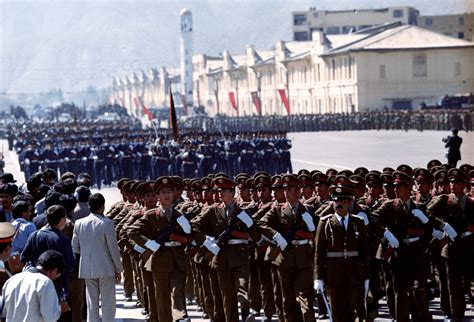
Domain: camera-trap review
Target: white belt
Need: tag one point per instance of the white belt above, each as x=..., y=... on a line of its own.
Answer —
x=173, y=244
x=343, y=254
x=300, y=242
x=465, y=234
x=237, y=241
x=411, y=240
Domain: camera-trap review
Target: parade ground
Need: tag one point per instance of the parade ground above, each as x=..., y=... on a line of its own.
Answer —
x=323, y=150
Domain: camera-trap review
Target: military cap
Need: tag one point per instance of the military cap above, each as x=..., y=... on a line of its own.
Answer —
x=222, y=183
x=134, y=186
x=422, y=174
x=342, y=180
x=164, y=182
x=7, y=177
x=261, y=173
x=7, y=232
x=319, y=178
x=177, y=182
x=276, y=182
x=206, y=183
x=457, y=175
x=405, y=168
x=250, y=183
x=446, y=166
x=372, y=177
x=221, y=174
x=361, y=171
x=241, y=179
x=341, y=192
x=357, y=180
x=331, y=171
x=10, y=189
x=401, y=177
x=186, y=183
x=433, y=163
x=314, y=172
x=387, y=178
x=303, y=171
x=290, y=180
x=127, y=185
x=195, y=185
x=262, y=181
x=388, y=170
x=435, y=169
x=345, y=172
x=465, y=167
x=144, y=187
x=306, y=180
x=441, y=175
x=211, y=175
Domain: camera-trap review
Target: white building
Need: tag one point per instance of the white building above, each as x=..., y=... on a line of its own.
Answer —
x=393, y=65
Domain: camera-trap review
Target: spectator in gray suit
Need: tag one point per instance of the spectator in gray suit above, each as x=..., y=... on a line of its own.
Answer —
x=82, y=210
x=95, y=242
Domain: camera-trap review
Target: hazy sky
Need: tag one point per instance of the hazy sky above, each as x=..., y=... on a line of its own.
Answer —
x=71, y=44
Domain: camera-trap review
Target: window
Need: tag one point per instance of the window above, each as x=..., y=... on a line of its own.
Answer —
x=419, y=65
x=333, y=69
x=429, y=21
x=461, y=21
x=457, y=69
x=364, y=27
x=382, y=71
x=461, y=35
x=301, y=36
x=351, y=60
x=299, y=20
x=397, y=13
x=348, y=29
x=319, y=72
x=334, y=30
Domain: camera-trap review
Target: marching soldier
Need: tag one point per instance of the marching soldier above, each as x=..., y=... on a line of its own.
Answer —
x=224, y=230
x=342, y=259
x=164, y=232
x=292, y=229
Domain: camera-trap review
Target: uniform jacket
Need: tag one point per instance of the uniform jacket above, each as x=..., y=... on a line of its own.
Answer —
x=94, y=239
x=330, y=238
x=150, y=226
x=280, y=219
x=212, y=222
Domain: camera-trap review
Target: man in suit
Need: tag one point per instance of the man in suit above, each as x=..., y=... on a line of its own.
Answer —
x=95, y=242
x=453, y=144
x=342, y=259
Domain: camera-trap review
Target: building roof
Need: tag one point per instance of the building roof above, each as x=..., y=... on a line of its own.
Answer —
x=401, y=38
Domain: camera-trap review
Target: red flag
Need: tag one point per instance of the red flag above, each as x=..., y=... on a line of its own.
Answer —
x=146, y=111
x=256, y=101
x=232, y=101
x=173, y=121
x=284, y=99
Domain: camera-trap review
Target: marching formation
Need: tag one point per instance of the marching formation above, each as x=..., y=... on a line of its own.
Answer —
x=302, y=246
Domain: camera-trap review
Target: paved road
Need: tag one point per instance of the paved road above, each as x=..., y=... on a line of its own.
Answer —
x=323, y=150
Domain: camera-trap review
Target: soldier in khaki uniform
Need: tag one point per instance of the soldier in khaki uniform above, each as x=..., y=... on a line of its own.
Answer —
x=164, y=232
x=292, y=229
x=118, y=206
x=342, y=259
x=454, y=214
x=224, y=230
x=408, y=233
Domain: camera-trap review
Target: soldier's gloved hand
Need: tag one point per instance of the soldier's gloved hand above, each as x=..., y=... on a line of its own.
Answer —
x=362, y=215
x=152, y=245
x=212, y=246
x=448, y=229
x=420, y=215
x=366, y=288
x=319, y=286
x=245, y=218
x=281, y=242
x=438, y=234
x=392, y=240
x=184, y=224
x=308, y=220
